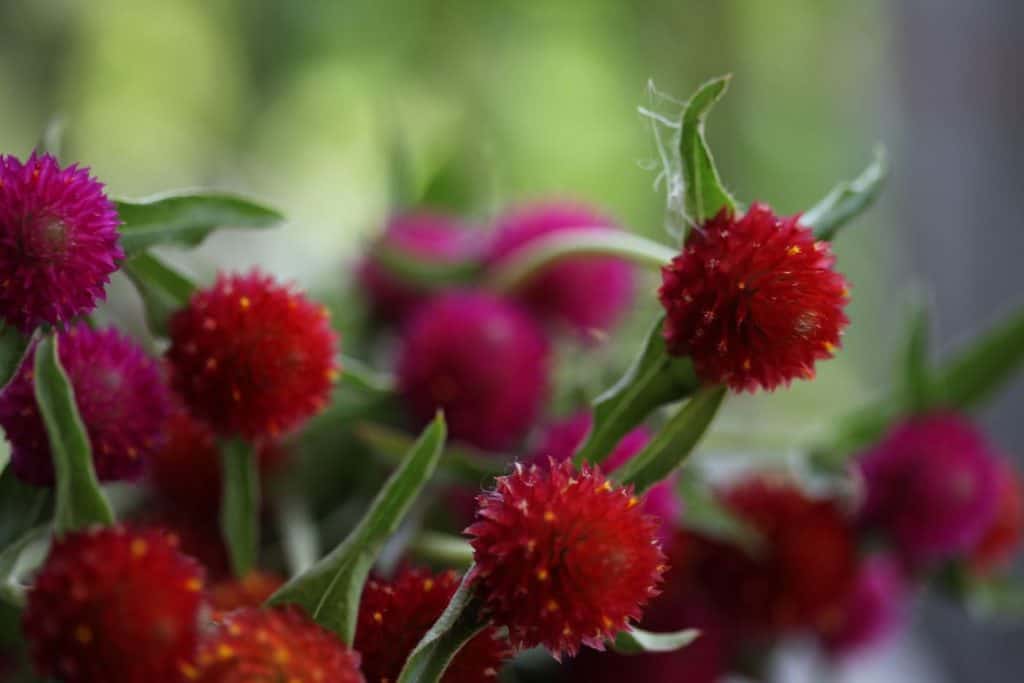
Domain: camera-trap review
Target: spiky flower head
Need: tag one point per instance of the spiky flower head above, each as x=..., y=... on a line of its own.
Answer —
x=754, y=300
x=563, y=557
x=931, y=487
x=587, y=294
x=276, y=644
x=59, y=240
x=121, y=396
x=1002, y=538
x=799, y=567
x=560, y=439
x=252, y=357
x=251, y=590
x=113, y=604
x=875, y=608
x=431, y=238
x=394, y=615
x=480, y=359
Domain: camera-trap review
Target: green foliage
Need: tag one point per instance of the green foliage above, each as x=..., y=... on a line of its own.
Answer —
x=240, y=505
x=330, y=590
x=186, y=218
x=654, y=379
x=163, y=290
x=80, y=501
x=848, y=199
x=704, y=193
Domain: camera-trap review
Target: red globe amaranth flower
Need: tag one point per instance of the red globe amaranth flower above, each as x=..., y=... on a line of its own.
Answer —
x=560, y=440
x=393, y=617
x=58, y=241
x=801, y=569
x=431, y=238
x=252, y=357
x=481, y=360
x=113, y=604
x=931, y=487
x=277, y=644
x=873, y=611
x=121, y=396
x=587, y=294
x=563, y=557
x=753, y=300
x=252, y=590
x=186, y=470
x=1002, y=538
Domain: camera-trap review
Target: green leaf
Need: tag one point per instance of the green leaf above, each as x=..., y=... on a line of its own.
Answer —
x=704, y=193
x=240, y=505
x=424, y=274
x=12, y=349
x=21, y=506
x=989, y=362
x=635, y=641
x=163, y=290
x=297, y=528
x=80, y=501
x=655, y=379
x=916, y=388
x=575, y=243
x=330, y=591
x=9, y=556
x=674, y=443
x=459, y=622
x=445, y=549
x=848, y=199
x=360, y=376
x=187, y=218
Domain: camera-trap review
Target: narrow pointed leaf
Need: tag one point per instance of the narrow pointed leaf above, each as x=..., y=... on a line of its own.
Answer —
x=704, y=193
x=917, y=390
x=240, y=505
x=459, y=622
x=163, y=289
x=12, y=349
x=187, y=218
x=655, y=379
x=988, y=363
x=444, y=549
x=636, y=641
x=848, y=199
x=674, y=443
x=80, y=501
x=330, y=590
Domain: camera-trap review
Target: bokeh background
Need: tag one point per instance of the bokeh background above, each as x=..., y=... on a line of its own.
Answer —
x=303, y=104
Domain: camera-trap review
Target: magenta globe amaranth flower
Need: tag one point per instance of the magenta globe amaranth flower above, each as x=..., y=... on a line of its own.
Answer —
x=58, y=241
x=931, y=487
x=585, y=293
x=121, y=396
x=428, y=238
x=482, y=361
x=873, y=611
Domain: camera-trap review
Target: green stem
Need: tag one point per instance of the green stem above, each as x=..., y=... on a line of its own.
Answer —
x=240, y=505
x=583, y=242
x=448, y=550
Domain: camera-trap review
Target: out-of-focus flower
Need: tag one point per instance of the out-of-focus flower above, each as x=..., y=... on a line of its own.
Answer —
x=931, y=487
x=58, y=241
x=121, y=397
x=587, y=294
x=113, y=605
x=252, y=357
x=563, y=557
x=252, y=590
x=276, y=644
x=873, y=611
x=1002, y=538
x=481, y=360
x=394, y=615
x=428, y=238
x=754, y=300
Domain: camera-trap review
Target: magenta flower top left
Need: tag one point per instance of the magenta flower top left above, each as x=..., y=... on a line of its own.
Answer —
x=58, y=241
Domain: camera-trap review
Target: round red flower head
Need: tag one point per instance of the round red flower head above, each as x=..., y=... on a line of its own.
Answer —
x=121, y=396
x=754, y=301
x=587, y=294
x=252, y=357
x=58, y=241
x=480, y=359
x=429, y=238
x=563, y=557
x=252, y=590
x=113, y=604
x=393, y=617
x=276, y=644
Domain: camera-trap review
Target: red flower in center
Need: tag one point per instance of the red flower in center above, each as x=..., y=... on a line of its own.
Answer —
x=753, y=300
